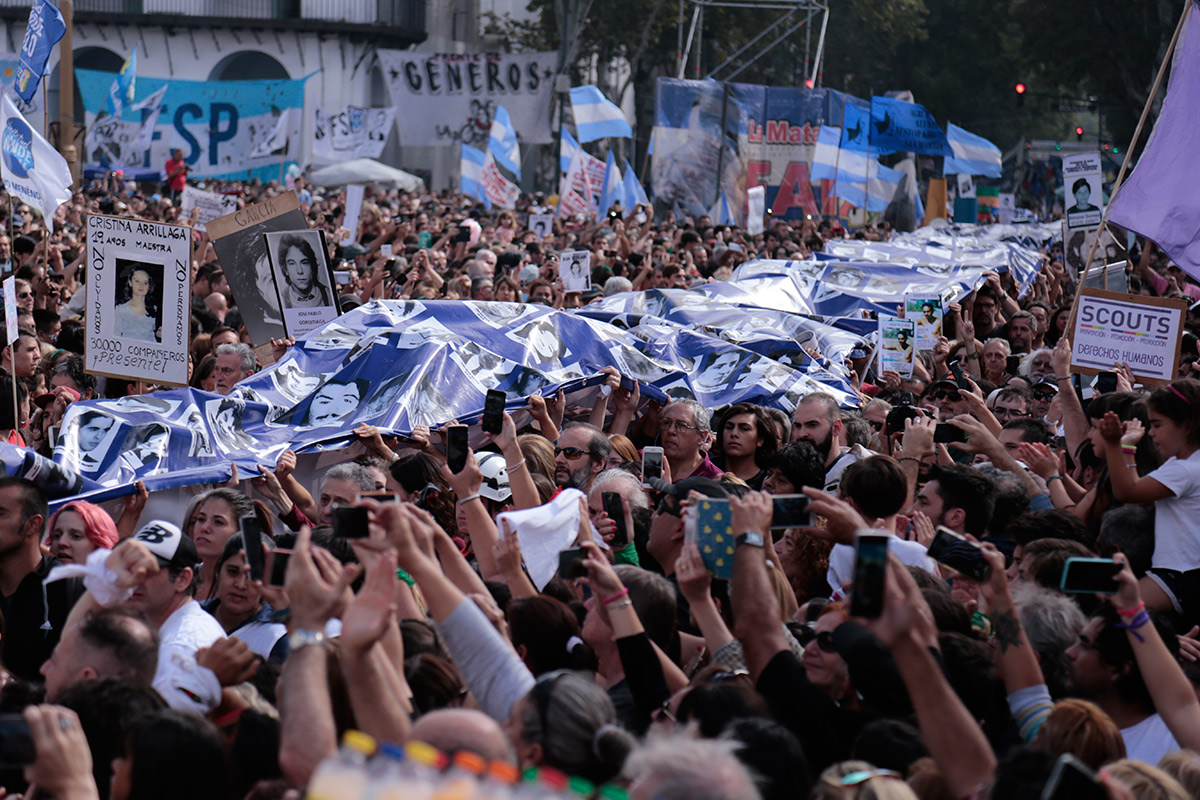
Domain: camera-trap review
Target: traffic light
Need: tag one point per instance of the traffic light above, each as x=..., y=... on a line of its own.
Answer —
x=1020, y=90
x=809, y=83
x=1079, y=133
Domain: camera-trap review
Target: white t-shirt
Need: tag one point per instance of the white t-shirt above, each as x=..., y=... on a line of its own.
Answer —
x=185, y=685
x=833, y=475
x=1176, y=537
x=841, y=561
x=1149, y=740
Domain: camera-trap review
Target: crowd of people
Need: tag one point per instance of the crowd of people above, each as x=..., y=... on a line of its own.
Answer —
x=394, y=637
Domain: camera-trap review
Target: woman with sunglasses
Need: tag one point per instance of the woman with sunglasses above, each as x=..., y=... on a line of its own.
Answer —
x=823, y=664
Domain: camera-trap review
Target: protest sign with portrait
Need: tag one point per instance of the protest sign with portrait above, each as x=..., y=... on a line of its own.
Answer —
x=304, y=279
x=576, y=270
x=242, y=251
x=927, y=313
x=138, y=299
x=1112, y=328
x=896, y=345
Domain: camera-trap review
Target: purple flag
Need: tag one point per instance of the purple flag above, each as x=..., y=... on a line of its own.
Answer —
x=1159, y=200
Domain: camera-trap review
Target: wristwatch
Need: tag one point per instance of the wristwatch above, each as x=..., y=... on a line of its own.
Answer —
x=752, y=538
x=302, y=638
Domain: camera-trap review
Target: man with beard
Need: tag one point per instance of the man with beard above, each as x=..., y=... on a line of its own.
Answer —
x=571, y=468
x=818, y=422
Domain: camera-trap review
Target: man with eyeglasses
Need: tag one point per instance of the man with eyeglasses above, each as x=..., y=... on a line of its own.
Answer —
x=1011, y=403
x=685, y=428
x=580, y=455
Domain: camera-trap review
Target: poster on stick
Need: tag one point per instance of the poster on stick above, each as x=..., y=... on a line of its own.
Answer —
x=1112, y=328
x=576, y=270
x=306, y=284
x=211, y=204
x=242, y=251
x=1083, y=192
x=897, y=338
x=138, y=299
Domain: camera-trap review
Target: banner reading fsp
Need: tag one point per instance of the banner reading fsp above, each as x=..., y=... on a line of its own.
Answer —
x=138, y=290
x=1113, y=328
x=448, y=98
x=225, y=128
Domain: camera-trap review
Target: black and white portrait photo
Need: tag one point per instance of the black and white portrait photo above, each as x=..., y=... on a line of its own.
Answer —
x=541, y=340
x=498, y=314
x=292, y=382
x=227, y=419
x=145, y=445
x=717, y=370
x=429, y=405
x=87, y=438
x=302, y=278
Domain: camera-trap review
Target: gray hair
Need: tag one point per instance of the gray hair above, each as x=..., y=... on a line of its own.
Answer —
x=1052, y=623
x=240, y=350
x=352, y=473
x=1007, y=347
x=679, y=767
x=699, y=413
x=616, y=284
x=575, y=722
x=1027, y=360
x=884, y=404
x=624, y=483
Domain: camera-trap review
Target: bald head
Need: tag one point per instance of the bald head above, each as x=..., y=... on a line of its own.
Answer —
x=454, y=729
x=110, y=643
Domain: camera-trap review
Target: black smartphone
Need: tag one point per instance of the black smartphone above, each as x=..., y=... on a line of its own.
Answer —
x=615, y=510
x=570, y=563
x=252, y=544
x=1071, y=779
x=652, y=461
x=16, y=742
x=1012, y=365
x=959, y=555
x=277, y=563
x=350, y=522
x=1090, y=576
x=381, y=497
x=789, y=511
x=493, y=411
x=456, y=447
x=945, y=433
x=1106, y=382
x=960, y=377
x=870, y=573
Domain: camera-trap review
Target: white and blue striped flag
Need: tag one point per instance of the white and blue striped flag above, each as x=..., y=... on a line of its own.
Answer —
x=595, y=116
x=973, y=155
x=612, y=190
x=502, y=143
x=721, y=213
x=471, y=172
x=634, y=191
x=568, y=150
x=853, y=172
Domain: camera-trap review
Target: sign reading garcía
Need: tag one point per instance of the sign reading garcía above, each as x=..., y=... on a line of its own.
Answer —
x=1113, y=328
x=448, y=98
x=138, y=299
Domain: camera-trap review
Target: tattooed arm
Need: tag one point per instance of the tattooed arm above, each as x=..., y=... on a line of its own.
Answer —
x=1015, y=654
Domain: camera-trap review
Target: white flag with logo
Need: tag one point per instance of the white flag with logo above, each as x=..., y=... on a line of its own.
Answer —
x=32, y=169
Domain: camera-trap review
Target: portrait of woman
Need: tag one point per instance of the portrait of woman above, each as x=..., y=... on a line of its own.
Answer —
x=139, y=302
x=299, y=264
x=226, y=418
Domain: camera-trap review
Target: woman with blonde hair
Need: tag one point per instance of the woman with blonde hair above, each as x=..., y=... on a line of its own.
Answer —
x=1183, y=766
x=1146, y=782
x=858, y=780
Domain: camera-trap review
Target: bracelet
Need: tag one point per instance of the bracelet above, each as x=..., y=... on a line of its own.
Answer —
x=404, y=576
x=519, y=464
x=465, y=500
x=1132, y=625
x=622, y=604
x=616, y=596
x=1132, y=612
x=970, y=356
x=1054, y=478
x=1062, y=378
x=1131, y=466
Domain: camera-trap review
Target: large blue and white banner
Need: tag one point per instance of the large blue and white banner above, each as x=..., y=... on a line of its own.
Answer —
x=45, y=28
x=226, y=129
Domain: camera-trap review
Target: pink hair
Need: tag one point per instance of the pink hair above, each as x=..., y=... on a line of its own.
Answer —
x=97, y=524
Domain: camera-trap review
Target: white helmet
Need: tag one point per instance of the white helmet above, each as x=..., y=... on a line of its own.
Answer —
x=495, y=484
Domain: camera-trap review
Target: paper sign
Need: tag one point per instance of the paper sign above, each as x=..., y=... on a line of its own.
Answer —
x=756, y=208
x=1008, y=205
x=305, y=282
x=1077, y=244
x=926, y=313
x=354, y=201
x=1113, y=328
x=966, y=185
x=138, y=299
x=10, y=308
x=897, y=345
x=541, y=224
x=211, y=204
x=1083, y=195
x=576, y=270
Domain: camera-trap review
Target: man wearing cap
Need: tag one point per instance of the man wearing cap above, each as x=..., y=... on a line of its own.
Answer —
x=34, y=615
x=154, y=573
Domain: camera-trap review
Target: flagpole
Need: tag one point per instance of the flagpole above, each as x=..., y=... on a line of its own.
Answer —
x=1162, y=71
x=837, y=161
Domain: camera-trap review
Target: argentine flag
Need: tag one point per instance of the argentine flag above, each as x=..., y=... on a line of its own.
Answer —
x=471, y=173
x=613, y=189
x=595, y=116
x=502, y=143
x=634, y=191
x=973, y=155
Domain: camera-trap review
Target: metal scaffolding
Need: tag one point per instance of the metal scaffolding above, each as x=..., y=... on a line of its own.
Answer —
x=796, y=14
